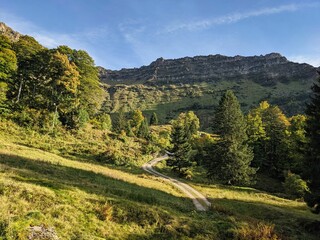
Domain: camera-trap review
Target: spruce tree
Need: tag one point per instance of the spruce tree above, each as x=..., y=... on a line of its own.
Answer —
x=143, y=130
x=154, y=119
x=312, y=169
x=313, y=134
x=231, y=155
x=120, y=121
x=180, y=161
x=183, y=130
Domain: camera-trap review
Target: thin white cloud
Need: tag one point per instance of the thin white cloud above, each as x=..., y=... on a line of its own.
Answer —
x=78, y=40
x=46, y=38
x=235, y=17
x=133, y=33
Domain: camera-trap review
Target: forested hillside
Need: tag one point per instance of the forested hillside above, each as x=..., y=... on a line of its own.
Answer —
x=47, y=87
x=169, y=86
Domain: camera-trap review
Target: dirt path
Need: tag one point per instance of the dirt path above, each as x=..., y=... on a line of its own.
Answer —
x=200, y=201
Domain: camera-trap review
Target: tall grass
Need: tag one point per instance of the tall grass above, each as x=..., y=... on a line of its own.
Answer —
x=256, y=214
x=56, y=182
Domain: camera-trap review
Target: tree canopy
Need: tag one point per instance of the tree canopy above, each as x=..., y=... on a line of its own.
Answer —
x=231, y=155
x=183, y=130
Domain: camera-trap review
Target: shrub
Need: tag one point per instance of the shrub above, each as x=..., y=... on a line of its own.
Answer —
x=37, y=119
x=104, y=212
x=102, y=122
x=259, y=231
x=295, y=186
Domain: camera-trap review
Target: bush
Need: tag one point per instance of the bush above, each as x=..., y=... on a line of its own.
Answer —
x=295, y=186
x=36, y=119
x=259, y=231
x=102, y=122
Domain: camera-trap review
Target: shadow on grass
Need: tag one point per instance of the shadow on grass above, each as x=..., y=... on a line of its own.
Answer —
x=58, y=177
x=287, y=221
x=86, y=158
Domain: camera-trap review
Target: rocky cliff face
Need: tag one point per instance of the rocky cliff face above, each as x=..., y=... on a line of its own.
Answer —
x=7, y=31
x=266, y=70
x=169, y=87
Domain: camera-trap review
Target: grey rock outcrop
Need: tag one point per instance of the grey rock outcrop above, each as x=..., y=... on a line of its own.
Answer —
x=263, y=69
x=10, y=33
x=42, y=233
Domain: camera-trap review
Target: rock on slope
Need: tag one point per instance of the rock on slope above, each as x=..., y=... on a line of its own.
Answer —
x=7, y=31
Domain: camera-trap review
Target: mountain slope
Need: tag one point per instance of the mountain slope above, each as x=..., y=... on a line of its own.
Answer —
x=9, y=32
x=77, y=199
x=171, y=86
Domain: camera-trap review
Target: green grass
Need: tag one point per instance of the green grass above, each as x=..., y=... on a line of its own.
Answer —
x=169, y=100
x=43, y=182
x=84, y=199
x=250, y=206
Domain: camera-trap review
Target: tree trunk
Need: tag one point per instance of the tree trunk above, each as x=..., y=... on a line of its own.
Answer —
x=19, y=92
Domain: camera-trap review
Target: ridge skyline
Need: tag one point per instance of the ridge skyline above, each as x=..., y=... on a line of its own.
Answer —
x=126, y=34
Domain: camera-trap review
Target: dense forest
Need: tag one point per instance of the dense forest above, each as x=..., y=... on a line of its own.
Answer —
x=57, y=91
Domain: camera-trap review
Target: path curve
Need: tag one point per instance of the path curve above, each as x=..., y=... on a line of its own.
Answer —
x=200, y=201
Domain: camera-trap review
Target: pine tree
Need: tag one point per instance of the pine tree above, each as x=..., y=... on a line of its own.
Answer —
x=154, y=119
x=231, y=155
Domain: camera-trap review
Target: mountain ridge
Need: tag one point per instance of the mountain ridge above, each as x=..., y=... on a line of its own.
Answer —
x=170, y=86
x=269, y=68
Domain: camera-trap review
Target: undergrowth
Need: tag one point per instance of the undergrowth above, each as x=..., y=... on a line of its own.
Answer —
x=68, y=182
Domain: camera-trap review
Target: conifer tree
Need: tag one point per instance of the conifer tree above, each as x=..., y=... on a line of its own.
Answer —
x=183, y=130
x=137, y=119
x=129, y=130
x=231, y=155
x=313, y=152
x=180, y=161
x=143, y=130
x=154, y=119
x=120, y=121
x=313, y=133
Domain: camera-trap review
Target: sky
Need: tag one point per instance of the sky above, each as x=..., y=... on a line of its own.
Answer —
x=131, y=33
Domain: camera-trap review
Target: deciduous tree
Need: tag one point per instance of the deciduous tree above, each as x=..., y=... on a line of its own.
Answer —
x=8, y=66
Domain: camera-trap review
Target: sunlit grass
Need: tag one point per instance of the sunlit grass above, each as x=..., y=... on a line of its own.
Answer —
x=248, y=205
x=87, y=200
x=44, y=182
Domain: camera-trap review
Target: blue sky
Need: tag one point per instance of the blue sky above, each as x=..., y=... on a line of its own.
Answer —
x=131, y=33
